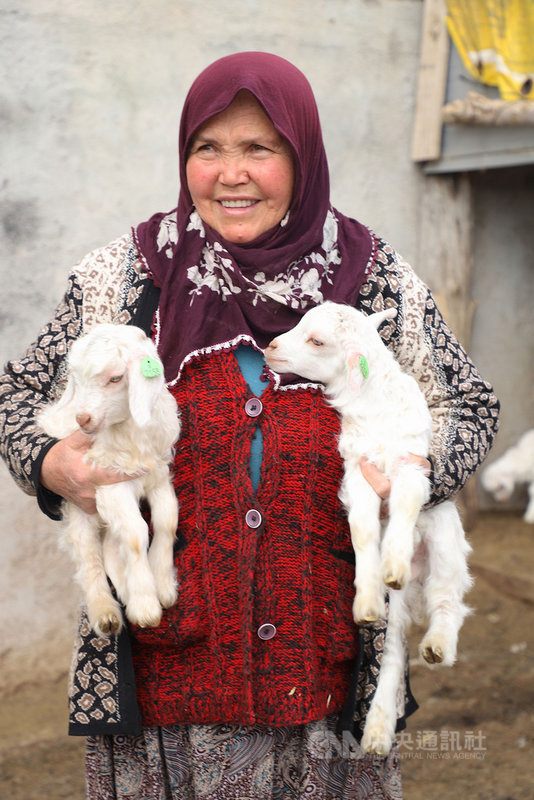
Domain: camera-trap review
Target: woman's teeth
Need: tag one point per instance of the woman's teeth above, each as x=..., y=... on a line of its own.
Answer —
x=237, y=203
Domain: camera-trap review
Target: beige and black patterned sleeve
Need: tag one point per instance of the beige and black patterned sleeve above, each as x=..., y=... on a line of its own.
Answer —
x=464, y=409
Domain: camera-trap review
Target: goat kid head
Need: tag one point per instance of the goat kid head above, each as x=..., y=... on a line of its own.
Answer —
x=113, y=373
x=332, y=344
x=499, y=479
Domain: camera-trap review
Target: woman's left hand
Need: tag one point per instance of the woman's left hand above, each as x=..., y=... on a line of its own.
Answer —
x=382, y=484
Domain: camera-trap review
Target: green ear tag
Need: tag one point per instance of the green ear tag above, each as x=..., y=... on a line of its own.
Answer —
x=364, y=366
x=151, y=367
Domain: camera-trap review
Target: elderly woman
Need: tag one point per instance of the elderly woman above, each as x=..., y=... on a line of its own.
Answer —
x=242, y=689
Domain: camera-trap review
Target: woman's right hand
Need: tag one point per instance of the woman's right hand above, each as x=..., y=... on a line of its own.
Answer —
x=65, y=472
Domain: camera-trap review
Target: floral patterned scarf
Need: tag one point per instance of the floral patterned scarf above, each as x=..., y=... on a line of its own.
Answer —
x=214, y=293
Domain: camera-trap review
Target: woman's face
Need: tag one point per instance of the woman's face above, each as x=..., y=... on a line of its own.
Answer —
x=240, y=171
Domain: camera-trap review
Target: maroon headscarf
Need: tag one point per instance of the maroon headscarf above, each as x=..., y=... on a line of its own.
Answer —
x=216, y=293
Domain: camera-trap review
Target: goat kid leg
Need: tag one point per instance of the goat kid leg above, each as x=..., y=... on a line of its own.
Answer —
x=164, y=510
x=118, y=506
x=446, y=584
x=381, y=721
x=82, y=535
x=363, y=506
x=114, y=565
x=409, y=491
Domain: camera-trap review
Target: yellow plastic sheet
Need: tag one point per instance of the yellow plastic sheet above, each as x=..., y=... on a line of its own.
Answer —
x=495, y=39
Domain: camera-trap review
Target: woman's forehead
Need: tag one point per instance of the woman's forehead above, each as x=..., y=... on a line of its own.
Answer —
x=244, y=111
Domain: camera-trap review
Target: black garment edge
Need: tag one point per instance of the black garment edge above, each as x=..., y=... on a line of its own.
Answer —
x=146, y=308
x=49, y=502
x=130, y=718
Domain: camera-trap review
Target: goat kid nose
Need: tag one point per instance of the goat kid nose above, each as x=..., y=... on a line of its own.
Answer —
x=271, y=346
x=83, y=420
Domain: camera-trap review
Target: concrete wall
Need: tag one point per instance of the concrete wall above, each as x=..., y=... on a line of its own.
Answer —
x=90, y=100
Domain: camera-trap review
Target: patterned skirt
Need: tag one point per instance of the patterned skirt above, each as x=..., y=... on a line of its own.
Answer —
x=228, y=762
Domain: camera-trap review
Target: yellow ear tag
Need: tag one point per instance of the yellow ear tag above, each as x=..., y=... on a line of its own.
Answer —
x=151, y=367
x=364, y=366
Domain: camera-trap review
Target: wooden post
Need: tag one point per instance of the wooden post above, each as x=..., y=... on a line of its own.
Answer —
x=445, y=249
x=431, y=84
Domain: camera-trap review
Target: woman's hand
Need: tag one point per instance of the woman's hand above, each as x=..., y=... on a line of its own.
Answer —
x=65, y=472
x=381, y=484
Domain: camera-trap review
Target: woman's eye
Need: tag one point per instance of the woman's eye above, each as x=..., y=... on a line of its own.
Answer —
x=203, y=150
x=259, y=150
x=115, y=379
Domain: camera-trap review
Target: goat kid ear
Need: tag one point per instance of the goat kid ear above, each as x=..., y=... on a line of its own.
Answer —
x=68, y=395
x=58, y=418
x=357, y=369
x=145, y=382
x=380, y=316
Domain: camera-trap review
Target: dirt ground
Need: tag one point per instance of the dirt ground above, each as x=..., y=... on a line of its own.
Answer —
x=472, y=738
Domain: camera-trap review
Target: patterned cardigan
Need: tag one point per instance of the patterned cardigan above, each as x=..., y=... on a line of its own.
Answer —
x=110, y=285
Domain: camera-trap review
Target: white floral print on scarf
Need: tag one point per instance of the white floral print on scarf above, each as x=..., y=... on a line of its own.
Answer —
x=296, y=287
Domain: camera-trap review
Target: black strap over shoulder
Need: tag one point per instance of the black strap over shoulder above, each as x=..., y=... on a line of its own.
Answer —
x=146, y=307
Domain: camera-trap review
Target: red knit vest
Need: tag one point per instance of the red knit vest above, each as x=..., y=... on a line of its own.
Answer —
x=288, y=566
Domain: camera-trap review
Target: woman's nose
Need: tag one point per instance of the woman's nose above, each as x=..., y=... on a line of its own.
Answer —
x=233, y=171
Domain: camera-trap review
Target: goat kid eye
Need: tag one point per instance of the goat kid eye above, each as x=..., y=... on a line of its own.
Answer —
x=116, y=379
x=316, y=342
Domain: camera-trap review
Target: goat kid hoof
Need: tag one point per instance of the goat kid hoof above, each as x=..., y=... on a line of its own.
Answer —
x=367, y=620
x=146, y=614
x=167, y=597
x=108, y=624
x=375, y=745
x=377, y=750
x=432, y=655
x=393, y=583
x=396, y=573
x=367, y=615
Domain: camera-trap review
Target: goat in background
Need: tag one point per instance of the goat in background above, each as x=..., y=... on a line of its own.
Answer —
x=421, y=555
x=514, y=467
x=115, y=393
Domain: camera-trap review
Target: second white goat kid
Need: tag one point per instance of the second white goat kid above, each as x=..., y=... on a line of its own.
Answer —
x=384, y=417
x=422, y=554
x=116, y=394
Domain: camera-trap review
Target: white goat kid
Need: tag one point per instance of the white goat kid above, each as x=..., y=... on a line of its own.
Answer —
x=514, y=467
x=384, y=417
x=115, y=393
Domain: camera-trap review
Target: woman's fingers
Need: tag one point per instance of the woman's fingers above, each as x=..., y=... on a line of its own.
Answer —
x=380, y=483
x=66, y=472
x=419, y=460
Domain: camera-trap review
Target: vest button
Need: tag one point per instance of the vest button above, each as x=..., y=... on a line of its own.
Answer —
x=253, y=518
x=266, y=631
x=253, y=407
